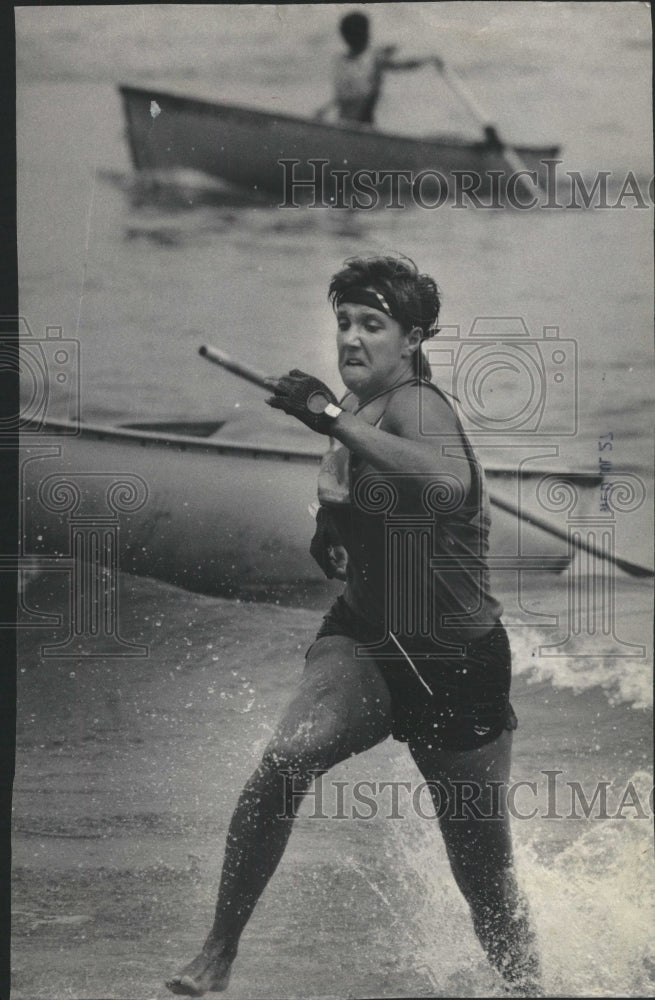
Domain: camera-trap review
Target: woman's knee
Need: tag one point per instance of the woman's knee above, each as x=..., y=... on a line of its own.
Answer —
x=287, y=769
x=304, y=743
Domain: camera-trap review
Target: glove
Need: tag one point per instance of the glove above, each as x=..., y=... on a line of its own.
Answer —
x=305, y=397
x=326, y=547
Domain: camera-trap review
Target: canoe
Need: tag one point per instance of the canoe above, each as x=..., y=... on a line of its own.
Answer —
x=244, y=146
x=221, y=507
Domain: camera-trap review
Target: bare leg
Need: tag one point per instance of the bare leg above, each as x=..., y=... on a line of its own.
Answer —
x=479, y=849
x=342, y=707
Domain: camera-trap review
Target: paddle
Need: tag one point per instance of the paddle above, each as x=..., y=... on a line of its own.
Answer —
x=633, y=569
x=258, y=378
x=230, y=365
x=456, y=84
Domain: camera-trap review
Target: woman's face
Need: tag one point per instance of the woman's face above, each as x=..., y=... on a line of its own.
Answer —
x=373, y=350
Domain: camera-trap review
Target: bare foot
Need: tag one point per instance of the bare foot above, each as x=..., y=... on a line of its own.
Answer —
x=209, y=972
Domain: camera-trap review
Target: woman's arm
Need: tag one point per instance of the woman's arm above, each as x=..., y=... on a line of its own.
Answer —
x=420, y=434
x=420, y=437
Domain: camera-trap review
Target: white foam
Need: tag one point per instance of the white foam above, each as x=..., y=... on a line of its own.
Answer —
x=592, y=906
x=624, y=679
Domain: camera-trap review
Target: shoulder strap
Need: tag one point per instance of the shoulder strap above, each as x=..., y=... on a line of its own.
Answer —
x=476, y=469
x=386, y=392
x=447, y=396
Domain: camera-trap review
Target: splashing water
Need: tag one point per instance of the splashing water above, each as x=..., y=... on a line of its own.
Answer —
x=592, y=906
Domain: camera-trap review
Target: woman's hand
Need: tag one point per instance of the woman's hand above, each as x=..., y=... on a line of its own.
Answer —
x=303, y=396
x=326, y=547
x=338, y=560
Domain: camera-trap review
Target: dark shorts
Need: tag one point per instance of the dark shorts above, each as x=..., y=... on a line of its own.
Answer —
x=469, y=705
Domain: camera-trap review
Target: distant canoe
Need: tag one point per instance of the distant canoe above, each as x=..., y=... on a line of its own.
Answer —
x=244, y=146
x=220, y=508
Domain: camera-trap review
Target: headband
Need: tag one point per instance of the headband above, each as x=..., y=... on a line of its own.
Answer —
x=376, y=300
x=366, y=297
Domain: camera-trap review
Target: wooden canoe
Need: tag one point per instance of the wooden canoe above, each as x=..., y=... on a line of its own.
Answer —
x=244, y=146
x=221, y=508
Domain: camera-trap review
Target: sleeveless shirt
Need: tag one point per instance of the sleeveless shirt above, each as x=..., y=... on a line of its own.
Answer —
x=453, y=576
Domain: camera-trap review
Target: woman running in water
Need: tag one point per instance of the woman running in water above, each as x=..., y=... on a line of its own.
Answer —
x=435, y=670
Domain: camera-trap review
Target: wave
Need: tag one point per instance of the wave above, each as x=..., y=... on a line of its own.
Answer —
x=625, y=679
x=591, y=904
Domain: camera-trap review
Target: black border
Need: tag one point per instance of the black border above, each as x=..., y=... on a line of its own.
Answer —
x=8, y=469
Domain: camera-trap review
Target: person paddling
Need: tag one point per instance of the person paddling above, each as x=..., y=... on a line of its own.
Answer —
x=358, y=72
x=415, y=649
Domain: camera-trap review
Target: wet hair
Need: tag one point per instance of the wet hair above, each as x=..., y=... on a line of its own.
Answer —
x=354, y=30
x=413, y=299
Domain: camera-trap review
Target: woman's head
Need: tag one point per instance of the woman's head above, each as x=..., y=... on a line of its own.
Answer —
x=393, y=287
